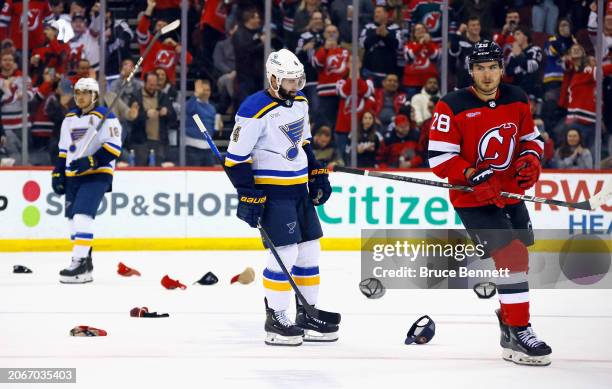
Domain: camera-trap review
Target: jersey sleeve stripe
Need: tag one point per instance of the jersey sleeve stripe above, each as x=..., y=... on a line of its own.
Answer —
x=436, y=145
x=231, y=163
x=531, y=136
x=440, y=159
x=530, y=152
x=112, y=149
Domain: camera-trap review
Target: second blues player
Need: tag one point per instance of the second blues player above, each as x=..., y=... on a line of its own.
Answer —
x=279, y=181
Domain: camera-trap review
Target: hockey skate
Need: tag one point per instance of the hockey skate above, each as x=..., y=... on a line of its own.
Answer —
x=521, y=345
x=79, y=272
x=280, y=331
x=315, y=330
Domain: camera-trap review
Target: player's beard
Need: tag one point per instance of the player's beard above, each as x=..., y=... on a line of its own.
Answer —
x=487, y=91
x=286, y=95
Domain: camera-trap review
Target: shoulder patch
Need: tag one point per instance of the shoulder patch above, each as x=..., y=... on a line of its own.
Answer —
x=256, y=105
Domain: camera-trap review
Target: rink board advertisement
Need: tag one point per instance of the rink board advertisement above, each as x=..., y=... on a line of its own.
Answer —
x=195, y=209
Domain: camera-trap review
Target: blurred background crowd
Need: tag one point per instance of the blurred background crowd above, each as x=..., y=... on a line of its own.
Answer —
x=549, y=51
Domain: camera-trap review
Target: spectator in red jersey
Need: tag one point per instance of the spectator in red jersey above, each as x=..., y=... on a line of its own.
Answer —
x=165, y=52
x=368, y=141
x=399, y=146
x=365, y=102
x=421, y=54
x=212, y=27
x=505, y=38
x=388, y=100
x=83, y=70
x=11, y=26
x=332, y=63
x=53, y=55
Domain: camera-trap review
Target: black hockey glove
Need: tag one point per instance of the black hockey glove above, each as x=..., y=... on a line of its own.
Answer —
x=83, y=164
x=58, y=182
x=250, y=206
x=319, y=188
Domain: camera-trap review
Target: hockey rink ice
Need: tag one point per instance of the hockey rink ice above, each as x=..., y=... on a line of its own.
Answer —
x=214, y=336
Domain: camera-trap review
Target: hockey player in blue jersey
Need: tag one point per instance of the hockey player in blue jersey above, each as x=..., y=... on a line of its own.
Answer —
x=279, y=181
x=84, y=172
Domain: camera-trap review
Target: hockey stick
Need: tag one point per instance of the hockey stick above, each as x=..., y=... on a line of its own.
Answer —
x=590, y=204
x=164, y=30
x=330, y=317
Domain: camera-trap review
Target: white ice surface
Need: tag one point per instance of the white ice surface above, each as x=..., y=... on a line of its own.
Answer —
x=214, y=336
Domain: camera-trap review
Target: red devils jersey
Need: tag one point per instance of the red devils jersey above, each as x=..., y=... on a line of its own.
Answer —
x=465, y=131
x=10, y=19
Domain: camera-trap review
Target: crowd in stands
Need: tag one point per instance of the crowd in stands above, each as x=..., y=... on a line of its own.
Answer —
x=548, y=52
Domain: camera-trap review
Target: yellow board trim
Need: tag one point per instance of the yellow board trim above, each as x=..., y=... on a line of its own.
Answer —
x=224, y=243
x=264, y=109
x=279, y=286
x=281, y=181
x=111, y=150
x=307, y=281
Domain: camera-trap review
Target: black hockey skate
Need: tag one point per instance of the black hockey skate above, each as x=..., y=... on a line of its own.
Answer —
x=79, y=272
x=521, y=345
x=280, y=331
x=315, y=330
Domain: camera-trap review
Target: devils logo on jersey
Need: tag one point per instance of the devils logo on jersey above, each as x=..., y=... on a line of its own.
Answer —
x=432, y=21
x=496, y=147
x=164, y=59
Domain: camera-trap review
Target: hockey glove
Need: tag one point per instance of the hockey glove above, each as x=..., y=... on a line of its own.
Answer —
x=319, y=188
x=83, y=164
x=528, y=169
x=58, y=182
x=486, y=186
x=250, y=206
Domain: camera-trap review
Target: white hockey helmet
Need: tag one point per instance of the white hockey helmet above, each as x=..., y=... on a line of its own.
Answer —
x=87, y=84
x=283, y=64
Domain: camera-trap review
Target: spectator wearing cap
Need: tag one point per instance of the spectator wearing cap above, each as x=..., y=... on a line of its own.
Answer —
x=369, y=140
x=84, y=45
x=399, y=146
x=198, y=151
x=324, y=148
x=389, y=99
x=380, y=41
x=165, y=52
x=421, y=54
x=420, y=101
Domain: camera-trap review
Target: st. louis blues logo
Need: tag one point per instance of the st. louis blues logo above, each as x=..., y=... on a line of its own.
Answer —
x=293, y=131
x=77, y=133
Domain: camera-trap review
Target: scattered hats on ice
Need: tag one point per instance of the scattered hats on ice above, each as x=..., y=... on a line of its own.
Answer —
x=372, y=288
x=87, y=331
x=485, y=290
x=246, y=277
x=144, y=312
x=20, y=269
x=126, y=271
x=208, y=279
x=422, y=331
x=169, y=283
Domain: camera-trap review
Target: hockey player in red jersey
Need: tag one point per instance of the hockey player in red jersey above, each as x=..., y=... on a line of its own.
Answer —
x=484, y=136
